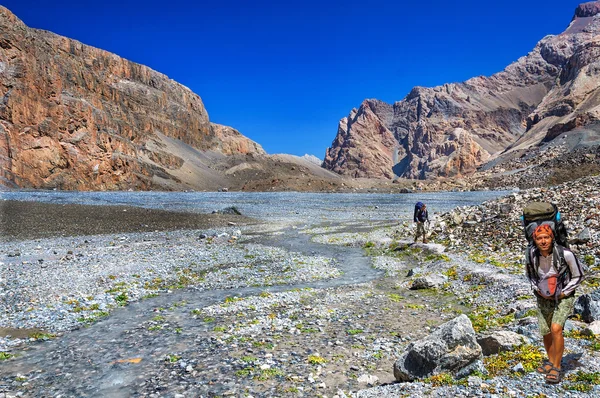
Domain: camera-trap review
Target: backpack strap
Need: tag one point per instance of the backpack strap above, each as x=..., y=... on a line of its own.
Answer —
x=558, y=260
x=530, y=265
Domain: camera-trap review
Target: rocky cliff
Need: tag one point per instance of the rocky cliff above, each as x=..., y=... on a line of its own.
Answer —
x=77, y=117
x=453, y=129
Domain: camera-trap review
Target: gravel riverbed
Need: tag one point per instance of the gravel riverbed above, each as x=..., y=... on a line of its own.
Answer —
x=245, y=308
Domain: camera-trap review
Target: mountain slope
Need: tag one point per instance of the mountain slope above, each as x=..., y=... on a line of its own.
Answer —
x=77, y=117
x=453, y=129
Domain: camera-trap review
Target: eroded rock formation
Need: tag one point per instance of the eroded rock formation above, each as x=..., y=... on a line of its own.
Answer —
x=77, y=117
x=453, y=129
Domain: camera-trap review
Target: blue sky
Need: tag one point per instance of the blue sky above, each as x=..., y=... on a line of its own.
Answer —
x=285, y=72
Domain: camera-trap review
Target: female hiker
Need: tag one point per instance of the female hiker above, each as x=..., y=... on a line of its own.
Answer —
x=554, y=273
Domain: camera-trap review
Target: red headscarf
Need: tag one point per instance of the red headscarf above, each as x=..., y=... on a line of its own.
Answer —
x=543, y=229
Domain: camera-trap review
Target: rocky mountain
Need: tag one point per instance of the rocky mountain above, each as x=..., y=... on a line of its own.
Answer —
x=454, y=129
x=77, y=117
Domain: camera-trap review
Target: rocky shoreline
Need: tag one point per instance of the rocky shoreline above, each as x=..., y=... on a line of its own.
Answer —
x=222, y=311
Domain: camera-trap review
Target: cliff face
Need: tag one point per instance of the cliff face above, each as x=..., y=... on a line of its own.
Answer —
x=452, y=129
x=77, y=117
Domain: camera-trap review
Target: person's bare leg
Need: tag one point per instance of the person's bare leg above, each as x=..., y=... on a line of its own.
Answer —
x=548, y=344
x=557, y=346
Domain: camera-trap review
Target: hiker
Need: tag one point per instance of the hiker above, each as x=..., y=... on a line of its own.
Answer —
x=420, y=217
x=554, y=273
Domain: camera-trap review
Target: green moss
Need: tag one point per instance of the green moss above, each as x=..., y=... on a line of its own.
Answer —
x=5, y=355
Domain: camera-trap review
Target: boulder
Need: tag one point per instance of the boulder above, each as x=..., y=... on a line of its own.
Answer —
x=452, y=348
x=428, y=282
x=499, y=341
x=582, y=237
x=593, y=329
x=588, y=306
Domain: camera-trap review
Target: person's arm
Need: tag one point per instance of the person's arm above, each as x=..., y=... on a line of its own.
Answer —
x=576, y=273
x=415, y=215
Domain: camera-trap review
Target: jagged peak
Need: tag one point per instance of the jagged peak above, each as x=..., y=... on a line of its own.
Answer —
x=588, y=9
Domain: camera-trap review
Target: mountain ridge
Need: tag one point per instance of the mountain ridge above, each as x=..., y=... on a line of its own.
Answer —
x=453, y=129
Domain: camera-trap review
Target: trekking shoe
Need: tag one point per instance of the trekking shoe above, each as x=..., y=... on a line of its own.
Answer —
x=424, y=240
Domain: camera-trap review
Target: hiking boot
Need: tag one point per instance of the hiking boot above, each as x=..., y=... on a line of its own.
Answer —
x=424, y=240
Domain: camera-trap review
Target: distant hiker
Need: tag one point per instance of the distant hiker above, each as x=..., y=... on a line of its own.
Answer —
x=554, y=273
x=421, y=217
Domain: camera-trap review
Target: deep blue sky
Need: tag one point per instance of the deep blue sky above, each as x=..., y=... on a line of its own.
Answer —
x=284, y=72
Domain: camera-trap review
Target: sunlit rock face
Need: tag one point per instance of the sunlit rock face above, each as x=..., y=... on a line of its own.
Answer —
x=77, y=117
x=453, y=129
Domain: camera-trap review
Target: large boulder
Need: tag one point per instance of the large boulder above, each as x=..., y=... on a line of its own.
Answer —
x=451, y=348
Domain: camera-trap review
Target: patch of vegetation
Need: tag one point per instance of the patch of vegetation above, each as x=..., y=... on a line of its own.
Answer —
x=266, y=374
x=5, y=355
x=155, y=327
x=436, y=257
x=477, y=257
x=578, y=334
x=582, y=381
x=316, y=360
x=42, y=336
x=219, y=329
x=589, y=259
x=439, y=380
x=484, y=318
x=528, y=355
x=244, y=372
x=451, y=273
x=415, y=306
x=91, y=318
x=172, y=358
x=353, y=332
x=395, y=297
x=121, y=299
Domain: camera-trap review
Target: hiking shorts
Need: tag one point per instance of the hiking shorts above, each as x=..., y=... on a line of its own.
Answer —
x=549, y=312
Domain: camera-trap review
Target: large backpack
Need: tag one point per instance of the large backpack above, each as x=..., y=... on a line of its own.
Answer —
x=538, y=213
x=418, y=206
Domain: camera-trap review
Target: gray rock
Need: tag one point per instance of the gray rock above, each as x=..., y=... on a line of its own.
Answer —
x=588, y=306
x=582, y=237
x=429, y=282
x=502, y=340
x=450, y=348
